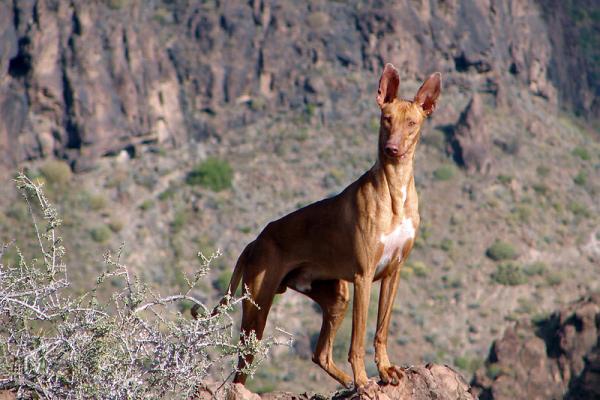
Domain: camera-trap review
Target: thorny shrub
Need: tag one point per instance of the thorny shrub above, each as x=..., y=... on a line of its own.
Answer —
x=137, y=345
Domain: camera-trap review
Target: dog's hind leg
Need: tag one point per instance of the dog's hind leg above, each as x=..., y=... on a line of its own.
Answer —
x=262, y=287
x=333, y=298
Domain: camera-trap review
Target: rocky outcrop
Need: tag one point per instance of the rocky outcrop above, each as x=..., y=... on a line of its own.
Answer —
x=427, y=382
x=470, y=142
x=79, y=80
x=556, y=358
x=575, y=39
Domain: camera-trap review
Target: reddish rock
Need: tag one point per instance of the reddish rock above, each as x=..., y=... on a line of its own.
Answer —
x=556, y=358
x=427, y=382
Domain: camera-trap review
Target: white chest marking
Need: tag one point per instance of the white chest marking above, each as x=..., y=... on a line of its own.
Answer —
x=395, y=241
x=403, y=190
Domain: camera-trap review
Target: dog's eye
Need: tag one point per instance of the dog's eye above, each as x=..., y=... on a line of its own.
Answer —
x=387, y=119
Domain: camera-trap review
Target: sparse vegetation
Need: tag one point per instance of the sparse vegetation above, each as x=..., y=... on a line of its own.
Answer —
x=581, y=178
x=100, y=234
x=493, y=370
x=554, y=278
x=535, y=269
x=446, y=244
x=504, y=179
x=542, y=171
x=582, y=153
x=578, y=209
x=146, y=204
x=509, y=274
x=212, y=173
x=56, y=172
x=444, y=173
x=468, y=364
x=83, y=350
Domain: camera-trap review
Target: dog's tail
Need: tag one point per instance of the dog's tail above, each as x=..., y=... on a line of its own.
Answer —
x=234, y=282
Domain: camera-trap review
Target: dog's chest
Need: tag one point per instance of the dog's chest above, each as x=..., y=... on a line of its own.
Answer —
x=394, y=242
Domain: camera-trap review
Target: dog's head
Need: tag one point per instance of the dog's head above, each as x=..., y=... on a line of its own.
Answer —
x=401, y=120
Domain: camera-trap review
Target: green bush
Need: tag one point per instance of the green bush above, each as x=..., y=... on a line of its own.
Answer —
x=167, y=193
x=540, y=188
x=97, y=202
x=116, y=224
x=504, y=179
x=56, y=172
x=446, y=244
x=501, y=251
x=100, y=234
x=578, y=209
x=582, y=152
x=443, y=173
x=419, y=269
x=212, y=173
x=542, y=171
x=468, y=364
x=581, y=178
x=509, y=274
x=536, y=268
x=146, y=204
x=493, y=371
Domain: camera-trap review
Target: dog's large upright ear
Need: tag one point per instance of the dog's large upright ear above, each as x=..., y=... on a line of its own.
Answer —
x=388, y=85
x=428, y=93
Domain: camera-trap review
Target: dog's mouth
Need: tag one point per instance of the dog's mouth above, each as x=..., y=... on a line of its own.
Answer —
x=400, y=156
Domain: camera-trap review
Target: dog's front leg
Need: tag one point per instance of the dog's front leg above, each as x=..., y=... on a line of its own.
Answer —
x=360, y=312
x=389, y=286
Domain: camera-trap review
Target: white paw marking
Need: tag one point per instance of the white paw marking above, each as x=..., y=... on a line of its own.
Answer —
x=395, y=241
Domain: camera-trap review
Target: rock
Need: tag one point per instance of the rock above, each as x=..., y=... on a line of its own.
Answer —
x=431, y=381
x=91, y=79
x=587, y=384
x=237, y=391
x=556, y=358
x=470, y=142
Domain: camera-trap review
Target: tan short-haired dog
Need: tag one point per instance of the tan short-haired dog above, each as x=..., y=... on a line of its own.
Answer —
x=363, y=234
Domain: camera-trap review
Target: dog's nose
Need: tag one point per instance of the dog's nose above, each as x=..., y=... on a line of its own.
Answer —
x=391, y=150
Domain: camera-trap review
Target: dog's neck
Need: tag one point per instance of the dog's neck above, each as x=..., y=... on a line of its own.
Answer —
x=395, y=177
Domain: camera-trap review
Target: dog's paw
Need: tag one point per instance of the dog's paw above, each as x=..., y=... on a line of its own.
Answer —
x=391, y=374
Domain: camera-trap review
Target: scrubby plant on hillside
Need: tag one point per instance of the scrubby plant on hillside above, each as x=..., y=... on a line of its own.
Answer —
x=56, y=172
x=509, y=274
x=500, y=250
x=137, y=345
x=212, y=173
x=443, y=173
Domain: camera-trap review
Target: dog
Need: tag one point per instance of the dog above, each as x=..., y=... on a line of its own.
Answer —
x=363, y=234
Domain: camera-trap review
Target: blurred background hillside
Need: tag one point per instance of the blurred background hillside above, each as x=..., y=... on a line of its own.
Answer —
x=183, y=126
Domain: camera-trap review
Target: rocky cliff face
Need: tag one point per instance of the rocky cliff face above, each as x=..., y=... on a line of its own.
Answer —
x=80, y=80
